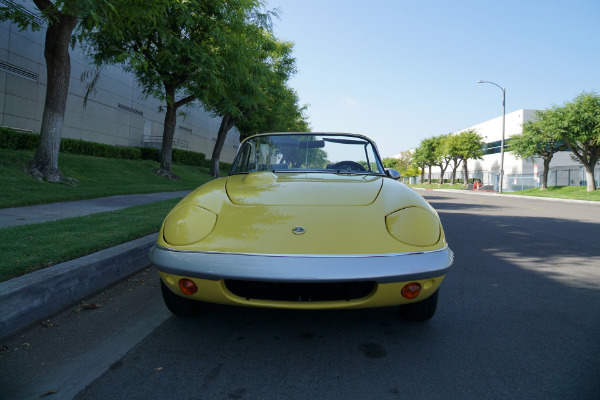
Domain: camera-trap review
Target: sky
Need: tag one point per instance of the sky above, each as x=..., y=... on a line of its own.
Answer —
x=400, y=71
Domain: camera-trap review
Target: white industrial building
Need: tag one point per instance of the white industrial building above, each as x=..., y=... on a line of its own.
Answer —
x=518, y=173
x=117, y=113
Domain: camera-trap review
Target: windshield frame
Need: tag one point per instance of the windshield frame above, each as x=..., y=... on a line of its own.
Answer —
x=347, y=138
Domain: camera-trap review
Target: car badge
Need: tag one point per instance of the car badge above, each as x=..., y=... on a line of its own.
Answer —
x=299, y=230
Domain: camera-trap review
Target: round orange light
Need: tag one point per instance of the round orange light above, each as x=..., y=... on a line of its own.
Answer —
x=187, y=286
x=411, y=290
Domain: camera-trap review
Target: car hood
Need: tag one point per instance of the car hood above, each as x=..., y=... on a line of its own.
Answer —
x=312, y=189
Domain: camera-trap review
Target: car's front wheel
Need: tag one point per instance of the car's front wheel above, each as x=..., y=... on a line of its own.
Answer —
x=422, y=310
x=178, y=305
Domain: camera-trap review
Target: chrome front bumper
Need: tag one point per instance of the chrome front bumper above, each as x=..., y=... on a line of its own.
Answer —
x=382, y=268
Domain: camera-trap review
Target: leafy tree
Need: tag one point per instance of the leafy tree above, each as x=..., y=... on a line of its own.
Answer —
x=391, y=162
x=404, y=161
x=442, y=156
x=404, y=164
x=578, y=123
x=177, y=50
x=426, y=154
x=412, y=171
x=61, y=18
x=539, y=139
x=280, y=111
x=469, y=146
x=452, y=146
x=266, y=64
x=420, y=161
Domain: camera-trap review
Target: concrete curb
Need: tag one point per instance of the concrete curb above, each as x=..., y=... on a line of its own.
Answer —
x=34, y=296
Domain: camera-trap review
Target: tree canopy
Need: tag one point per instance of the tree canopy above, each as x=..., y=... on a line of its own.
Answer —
x=254, y=82
x=443, y=149
x=575, y=126
x=469, y=146
x=538, y=139
x=181, y=52
x=579, y=125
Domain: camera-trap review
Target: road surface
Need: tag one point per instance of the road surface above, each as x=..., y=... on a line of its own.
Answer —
x=518, y=317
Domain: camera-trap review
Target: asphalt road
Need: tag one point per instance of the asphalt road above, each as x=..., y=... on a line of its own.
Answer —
x=519, y=317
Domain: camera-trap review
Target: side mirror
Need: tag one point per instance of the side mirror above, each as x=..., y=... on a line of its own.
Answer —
x=392, y=173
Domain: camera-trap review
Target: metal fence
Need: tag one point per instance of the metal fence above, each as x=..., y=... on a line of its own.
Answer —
x=515, y=182
x=556, y=177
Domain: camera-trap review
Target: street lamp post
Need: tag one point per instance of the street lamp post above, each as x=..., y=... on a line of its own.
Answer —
x=502, y=143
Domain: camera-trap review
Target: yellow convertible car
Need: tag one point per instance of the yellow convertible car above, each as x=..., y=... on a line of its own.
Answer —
x=304, y=221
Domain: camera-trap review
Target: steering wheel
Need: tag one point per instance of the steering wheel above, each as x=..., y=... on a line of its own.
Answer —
x=347, y=166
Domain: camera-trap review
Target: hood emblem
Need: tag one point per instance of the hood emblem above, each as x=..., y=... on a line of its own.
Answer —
x=299, y=230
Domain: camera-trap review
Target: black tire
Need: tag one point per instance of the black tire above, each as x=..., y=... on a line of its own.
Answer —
x=178, y=305
x=422, y=310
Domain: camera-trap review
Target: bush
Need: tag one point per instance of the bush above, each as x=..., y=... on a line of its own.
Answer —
x=150, y=153
x=82, y=147
x=187, y=157
x=13, y=140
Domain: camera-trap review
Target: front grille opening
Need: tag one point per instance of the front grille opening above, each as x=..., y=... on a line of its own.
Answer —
x=299, y=292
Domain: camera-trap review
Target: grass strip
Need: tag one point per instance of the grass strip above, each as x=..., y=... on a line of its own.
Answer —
x=98, y=177
x=29, y=248
x=562, y=192
x=558, y=192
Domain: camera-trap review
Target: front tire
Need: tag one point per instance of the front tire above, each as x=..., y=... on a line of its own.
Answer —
x=178, y=305
x=422, y=310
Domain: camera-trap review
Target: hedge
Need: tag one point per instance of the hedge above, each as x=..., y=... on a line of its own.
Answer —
x=187, y=157
x=13, y=140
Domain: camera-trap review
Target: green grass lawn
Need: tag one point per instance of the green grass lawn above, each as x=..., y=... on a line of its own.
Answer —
x=31, y=247
x=562, y=192
x=98, y=177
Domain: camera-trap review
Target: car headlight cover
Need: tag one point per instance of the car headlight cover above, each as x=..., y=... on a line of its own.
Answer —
x=414, y=226
x=188, y=224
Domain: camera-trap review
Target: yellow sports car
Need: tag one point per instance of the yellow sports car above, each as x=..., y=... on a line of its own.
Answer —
x=305, y=221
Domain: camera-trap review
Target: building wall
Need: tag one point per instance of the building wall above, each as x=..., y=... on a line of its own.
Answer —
x=518, y=173
x=116, y=113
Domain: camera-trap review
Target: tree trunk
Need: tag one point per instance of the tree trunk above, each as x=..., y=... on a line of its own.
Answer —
x=589, y=176
x=166, y=152
x=588, y=155
x=422, y=174
x=443, y=172
x=226, y=124
x=545, y=173
x=454, y=168
x=429, y=176
x=58, y=69
x=465, y=172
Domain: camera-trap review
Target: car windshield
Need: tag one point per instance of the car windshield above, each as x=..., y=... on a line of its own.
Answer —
x=326, y=153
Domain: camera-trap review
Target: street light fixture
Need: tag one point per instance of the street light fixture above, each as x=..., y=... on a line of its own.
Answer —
x=502, y=143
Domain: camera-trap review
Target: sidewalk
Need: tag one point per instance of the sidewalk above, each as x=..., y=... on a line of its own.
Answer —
x=54, y=211
x=32, y=297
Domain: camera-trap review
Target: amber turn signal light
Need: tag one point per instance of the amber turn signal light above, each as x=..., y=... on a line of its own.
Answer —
x=411, y=290
x=188, y=286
